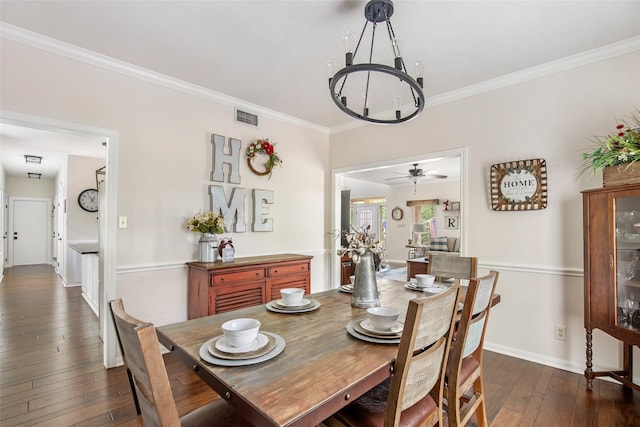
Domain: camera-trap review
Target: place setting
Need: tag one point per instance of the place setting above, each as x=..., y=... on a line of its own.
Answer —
x=241, y=343
x=348, y=288
x=292, y=301
x=381, y=326
x=425, y=283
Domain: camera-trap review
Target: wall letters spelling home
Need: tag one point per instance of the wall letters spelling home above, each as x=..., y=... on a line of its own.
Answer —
x=518, y=186
x=233, y=209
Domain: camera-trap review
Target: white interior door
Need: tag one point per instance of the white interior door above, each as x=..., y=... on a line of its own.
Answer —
x=5, y=230
x=367, y=215
x=30, y=236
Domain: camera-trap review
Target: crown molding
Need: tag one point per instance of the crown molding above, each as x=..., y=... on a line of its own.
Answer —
x=574, y=61
x=87, y=56
x=49, y=44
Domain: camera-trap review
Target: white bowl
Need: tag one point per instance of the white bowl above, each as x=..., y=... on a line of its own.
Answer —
x=292, y=296
x=383, y=318
x=240, y=332
x=423, y=280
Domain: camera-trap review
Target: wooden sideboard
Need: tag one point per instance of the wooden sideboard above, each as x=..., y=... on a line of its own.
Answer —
x=218, y=287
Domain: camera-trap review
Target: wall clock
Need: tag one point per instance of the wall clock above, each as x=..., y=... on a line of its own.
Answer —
x=519, y=185
x=397, y=213
x=88, y=200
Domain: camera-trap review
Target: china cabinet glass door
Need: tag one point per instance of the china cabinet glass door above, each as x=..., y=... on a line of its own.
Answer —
x=627, y=223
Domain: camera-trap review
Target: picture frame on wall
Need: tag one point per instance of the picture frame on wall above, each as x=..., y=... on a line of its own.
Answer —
x=519, y=185
x=451, y=222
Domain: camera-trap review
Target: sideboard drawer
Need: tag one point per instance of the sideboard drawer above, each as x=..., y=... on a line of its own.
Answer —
x=240, y=276
x=286, y=270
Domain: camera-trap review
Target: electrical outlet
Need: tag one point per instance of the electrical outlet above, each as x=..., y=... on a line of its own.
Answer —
x=561, y=332
x=122, y=222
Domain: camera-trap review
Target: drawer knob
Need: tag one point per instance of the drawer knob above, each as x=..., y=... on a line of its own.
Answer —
x=275, y=271
x=227, y=395
x=196, y=368
x=347, y=396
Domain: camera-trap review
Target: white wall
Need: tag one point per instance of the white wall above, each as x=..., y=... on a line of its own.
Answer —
x=539, y=253
x=81, y=225
x=164, y=169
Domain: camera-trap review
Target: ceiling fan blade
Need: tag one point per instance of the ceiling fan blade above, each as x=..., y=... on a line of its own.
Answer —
x=397, y=177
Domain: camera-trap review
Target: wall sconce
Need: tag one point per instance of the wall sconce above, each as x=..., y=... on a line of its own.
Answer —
x=28, y=158
x=33, y=175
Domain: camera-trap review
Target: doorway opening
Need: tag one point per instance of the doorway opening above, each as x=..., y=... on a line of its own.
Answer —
x=106, y=218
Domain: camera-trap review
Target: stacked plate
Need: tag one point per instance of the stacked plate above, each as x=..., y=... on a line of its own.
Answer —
x=305, y=305
x=346, y=288
x=363, y=329
x=266, y=346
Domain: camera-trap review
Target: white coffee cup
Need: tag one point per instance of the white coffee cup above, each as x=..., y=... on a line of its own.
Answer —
x=292, y=296
x=383, y=318
x=240, y=332
x=424, y=280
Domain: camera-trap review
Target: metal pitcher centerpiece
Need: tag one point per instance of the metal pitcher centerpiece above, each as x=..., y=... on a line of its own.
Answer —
x=361, y=247
x=365, y=288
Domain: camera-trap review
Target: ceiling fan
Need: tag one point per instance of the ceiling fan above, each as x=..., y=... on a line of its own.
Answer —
x=416, y=174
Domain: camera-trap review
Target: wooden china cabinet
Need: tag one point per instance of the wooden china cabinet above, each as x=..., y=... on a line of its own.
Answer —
x=611, y=221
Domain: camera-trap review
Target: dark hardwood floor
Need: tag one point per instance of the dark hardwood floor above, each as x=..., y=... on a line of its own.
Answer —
x=51, y=371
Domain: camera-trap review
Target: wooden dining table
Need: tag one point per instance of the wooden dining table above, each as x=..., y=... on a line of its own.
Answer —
x=321, y=369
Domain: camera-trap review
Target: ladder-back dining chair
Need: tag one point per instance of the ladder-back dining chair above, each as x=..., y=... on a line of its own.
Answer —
x=464, y=386
x=446, y=267
x=414, y=394
x=150, y=383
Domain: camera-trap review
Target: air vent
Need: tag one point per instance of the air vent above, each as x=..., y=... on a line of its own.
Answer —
x=246, y=118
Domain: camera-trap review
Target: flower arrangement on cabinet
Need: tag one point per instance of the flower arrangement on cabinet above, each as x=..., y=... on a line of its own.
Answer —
x=620, y=147
x=359, y=242
x=267, y=148
x=207, y=222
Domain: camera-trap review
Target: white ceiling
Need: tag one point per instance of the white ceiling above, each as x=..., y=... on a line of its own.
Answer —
x=273, y=54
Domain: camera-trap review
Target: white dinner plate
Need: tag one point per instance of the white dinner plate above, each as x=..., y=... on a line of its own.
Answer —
x=305, y=303
x=435, y=289
x=290, y=310
x=209, y=358
x=382, y=340
x=395, y=329
x=260, y=341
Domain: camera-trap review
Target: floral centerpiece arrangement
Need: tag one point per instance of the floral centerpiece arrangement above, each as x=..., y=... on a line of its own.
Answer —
x=207, y=222
x=264, y=147
x=620, y=147
x=359, y=242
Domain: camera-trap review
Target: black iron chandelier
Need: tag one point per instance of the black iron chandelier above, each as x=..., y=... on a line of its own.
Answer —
x=362, y=89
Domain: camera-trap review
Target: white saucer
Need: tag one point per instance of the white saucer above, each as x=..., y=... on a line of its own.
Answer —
x=260, y=341
x=302, y=303
x=394, y=330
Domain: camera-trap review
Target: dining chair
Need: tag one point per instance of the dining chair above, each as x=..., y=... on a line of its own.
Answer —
x=413, y=396
x=150, y=383
x=446, y=267
x=464, y=388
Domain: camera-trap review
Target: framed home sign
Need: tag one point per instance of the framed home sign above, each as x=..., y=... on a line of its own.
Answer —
x=519, y=185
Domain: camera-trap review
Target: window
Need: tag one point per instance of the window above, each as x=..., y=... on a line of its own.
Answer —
x=424, y=214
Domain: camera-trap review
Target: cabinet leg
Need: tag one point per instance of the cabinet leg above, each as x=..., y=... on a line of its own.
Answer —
x=627, y=360
x=588, y=373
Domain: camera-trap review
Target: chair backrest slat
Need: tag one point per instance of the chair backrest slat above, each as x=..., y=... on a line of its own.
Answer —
x=451, y=266
x=422, y=353
x=141, y=354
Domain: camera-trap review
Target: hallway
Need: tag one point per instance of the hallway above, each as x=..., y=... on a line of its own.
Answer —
x=51, y=370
